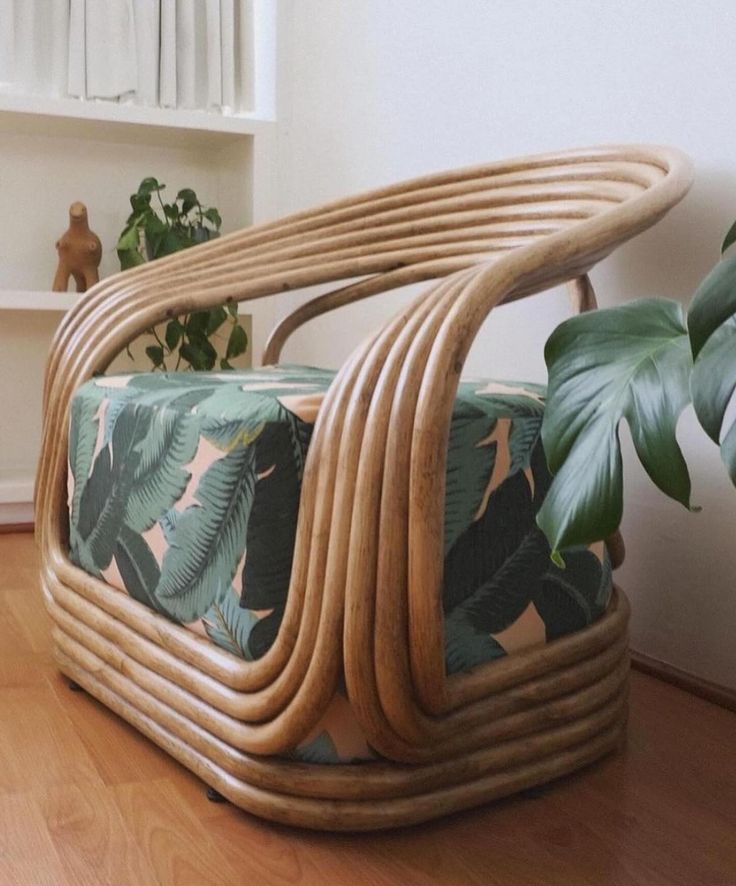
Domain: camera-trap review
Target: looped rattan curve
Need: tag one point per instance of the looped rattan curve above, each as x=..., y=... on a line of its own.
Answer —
x=364, y=596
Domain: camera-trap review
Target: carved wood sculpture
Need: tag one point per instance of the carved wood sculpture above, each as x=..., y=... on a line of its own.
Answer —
x=364, y=595
x=80, y=253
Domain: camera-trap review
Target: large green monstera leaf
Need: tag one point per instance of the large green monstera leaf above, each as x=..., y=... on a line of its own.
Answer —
x=712, y=323
x=632, y=362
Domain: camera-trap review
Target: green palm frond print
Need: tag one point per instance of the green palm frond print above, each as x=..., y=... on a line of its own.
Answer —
x=184, y=492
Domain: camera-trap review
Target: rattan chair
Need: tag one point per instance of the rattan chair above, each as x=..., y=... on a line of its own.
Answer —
x=363, y=602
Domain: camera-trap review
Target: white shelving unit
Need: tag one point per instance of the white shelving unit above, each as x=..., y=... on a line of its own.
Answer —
x=28, y=300
x=49, y=302
x=54, y=151
x=47, y=110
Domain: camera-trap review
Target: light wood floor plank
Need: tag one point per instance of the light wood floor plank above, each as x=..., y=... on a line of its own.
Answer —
x=124, y=755
x=83, y=795
x=27, y=854
x=90, y=837
x=38, y=743
x=176, y=845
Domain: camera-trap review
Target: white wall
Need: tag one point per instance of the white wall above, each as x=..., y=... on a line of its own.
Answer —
x=374, y=91
x=46, y=165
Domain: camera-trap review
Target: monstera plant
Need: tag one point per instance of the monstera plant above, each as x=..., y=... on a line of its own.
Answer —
x=643, y=362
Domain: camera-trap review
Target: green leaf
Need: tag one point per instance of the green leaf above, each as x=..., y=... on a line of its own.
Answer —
x=171, y=242
x=154, y=226
x=224, y=364
x=102, y=505
x=83, y=427
x=137, y=566
x=174, y=333
x=272, y=530
x=159, y=388
x=197, y=324
x=168, y=523
x=508, y=518
x=118, y=400
x=523, y=438
x=226, y=433
x=209, y=352
x=155, y=230
x=188, y=198
x=713, y=383
x=213, y=216
x=629, y=362
x=155, y=354
x=128, y=239
x=237, y=343
x=193, y=356
x=149, y=186
x=161, y=476
x=499, y=601
x=141, y=205
x=320, y=749
x=571, y=597
x=228, y=624
x=209, y=539
x=714, y=378
x=201, y=234
x=215, y=318
x=264, y=633
x=201, y=355
x=728, y=452
x=729, y=239
x=130, y=258
x=714, y=302
x=712, y=324
x=469, y=467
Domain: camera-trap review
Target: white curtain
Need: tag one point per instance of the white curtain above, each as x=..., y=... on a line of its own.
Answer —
x=167, y=53
x=77, y=70
x=186, y=53
x=34, y=46
x=7, y=43
x=147, y=22
x=227, y=53
x=167, y=82
x=214, y=54
x=202, y=54
x=102, y=49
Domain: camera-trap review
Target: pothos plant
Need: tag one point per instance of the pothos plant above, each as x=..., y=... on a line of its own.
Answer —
x=152, y=231
x=644, y=362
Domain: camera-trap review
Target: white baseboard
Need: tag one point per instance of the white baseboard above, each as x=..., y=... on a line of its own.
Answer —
x=16, y=513
x=16, y=500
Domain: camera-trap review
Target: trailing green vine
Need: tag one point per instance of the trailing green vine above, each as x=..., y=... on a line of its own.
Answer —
x=152, y=231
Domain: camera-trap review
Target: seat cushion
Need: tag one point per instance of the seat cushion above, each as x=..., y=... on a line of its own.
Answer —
x=184, y=493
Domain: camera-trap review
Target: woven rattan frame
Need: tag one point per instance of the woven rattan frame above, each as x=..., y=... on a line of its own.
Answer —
x=364, y=597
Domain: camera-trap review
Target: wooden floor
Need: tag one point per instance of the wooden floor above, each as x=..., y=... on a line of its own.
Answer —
x=85, y=800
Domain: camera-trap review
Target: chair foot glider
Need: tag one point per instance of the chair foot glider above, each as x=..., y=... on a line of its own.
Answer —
x=325, y=593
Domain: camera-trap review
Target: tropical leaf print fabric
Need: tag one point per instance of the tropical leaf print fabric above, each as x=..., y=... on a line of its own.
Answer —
x=501, y=590
x=184, y=492
x=172, y=477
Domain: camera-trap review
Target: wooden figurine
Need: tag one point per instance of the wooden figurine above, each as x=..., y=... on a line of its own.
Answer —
x=80, y=253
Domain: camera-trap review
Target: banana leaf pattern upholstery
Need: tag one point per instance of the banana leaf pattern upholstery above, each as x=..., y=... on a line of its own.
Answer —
x=184, y=493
